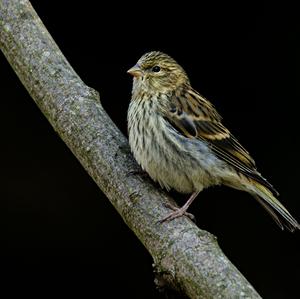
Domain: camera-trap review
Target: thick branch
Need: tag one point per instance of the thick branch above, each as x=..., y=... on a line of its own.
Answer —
x=186, y=257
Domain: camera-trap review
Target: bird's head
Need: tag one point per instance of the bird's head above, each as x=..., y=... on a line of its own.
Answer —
x=157, y=72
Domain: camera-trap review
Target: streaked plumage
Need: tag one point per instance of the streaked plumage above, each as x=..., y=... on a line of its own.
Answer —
x=176, y=135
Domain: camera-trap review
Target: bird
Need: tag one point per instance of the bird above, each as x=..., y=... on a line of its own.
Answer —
x=177, y=137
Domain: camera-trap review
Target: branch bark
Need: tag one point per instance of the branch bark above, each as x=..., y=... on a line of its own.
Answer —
x=185, y=257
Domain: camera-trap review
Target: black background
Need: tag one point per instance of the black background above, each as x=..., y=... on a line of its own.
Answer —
x=57, y=230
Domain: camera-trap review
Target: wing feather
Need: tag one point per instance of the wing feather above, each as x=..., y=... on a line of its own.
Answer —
x=195, y=117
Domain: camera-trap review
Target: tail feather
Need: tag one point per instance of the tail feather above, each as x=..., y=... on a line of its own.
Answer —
x=278, y=212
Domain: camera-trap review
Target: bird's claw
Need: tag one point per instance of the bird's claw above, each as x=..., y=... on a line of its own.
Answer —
x=139, y=172
x=177, y=212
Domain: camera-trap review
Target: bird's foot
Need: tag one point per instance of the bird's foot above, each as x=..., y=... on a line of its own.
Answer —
x=177, y=212
x=139, y=172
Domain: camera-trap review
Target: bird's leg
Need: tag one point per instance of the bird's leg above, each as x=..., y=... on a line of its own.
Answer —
x=178, y=212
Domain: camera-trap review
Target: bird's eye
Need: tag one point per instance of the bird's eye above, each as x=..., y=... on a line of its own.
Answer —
x=156, y=69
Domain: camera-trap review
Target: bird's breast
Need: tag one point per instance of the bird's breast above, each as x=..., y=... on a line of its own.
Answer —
x=169, y=158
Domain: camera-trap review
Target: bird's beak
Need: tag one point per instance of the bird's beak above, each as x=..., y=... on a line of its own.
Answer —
x=135, y=71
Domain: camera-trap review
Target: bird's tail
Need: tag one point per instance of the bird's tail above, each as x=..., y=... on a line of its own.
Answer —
x=278, y=212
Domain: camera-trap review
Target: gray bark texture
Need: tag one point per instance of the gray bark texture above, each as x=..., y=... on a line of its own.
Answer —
x=185, y=258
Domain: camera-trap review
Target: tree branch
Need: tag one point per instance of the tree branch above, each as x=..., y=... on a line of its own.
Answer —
x=185, y=257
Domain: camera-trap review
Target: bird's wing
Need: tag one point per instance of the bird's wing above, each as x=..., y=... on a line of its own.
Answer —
x=195, y=117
